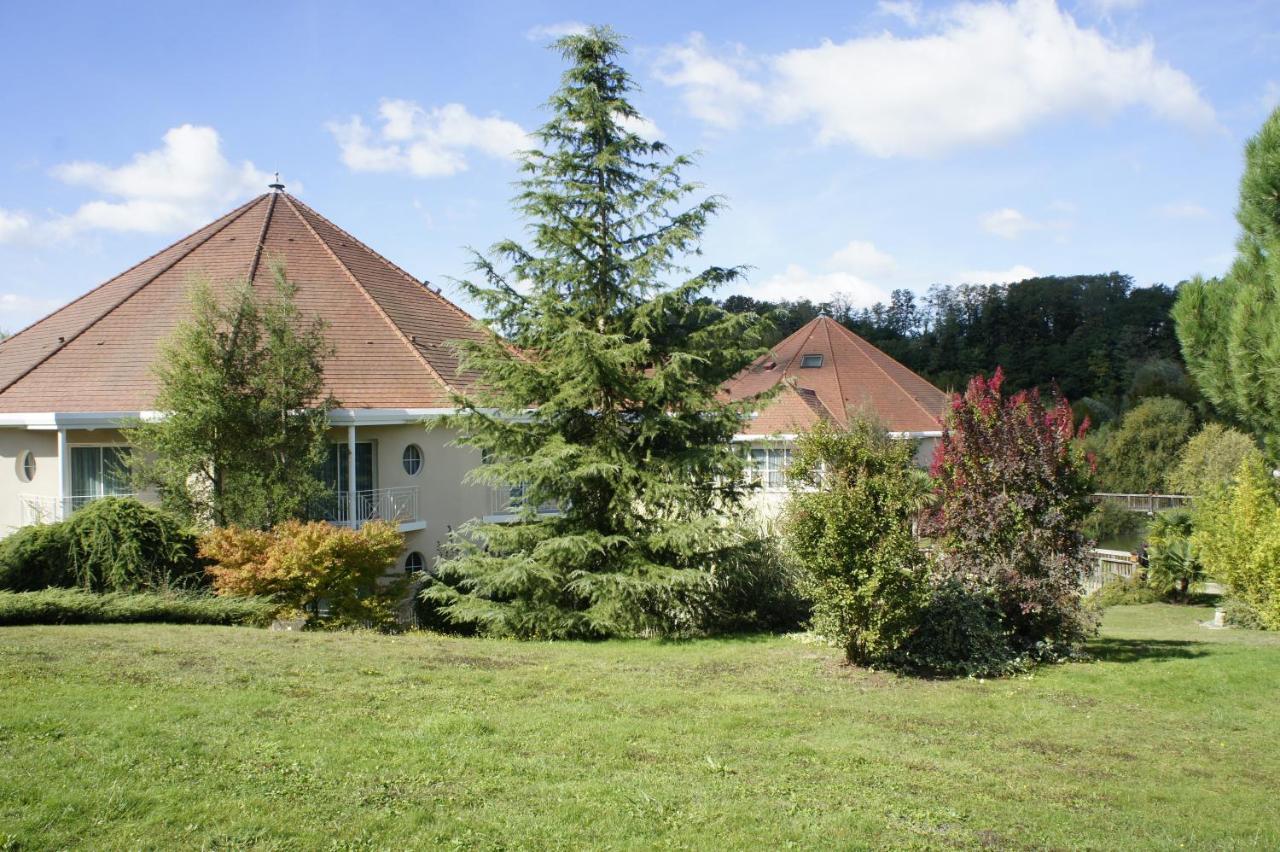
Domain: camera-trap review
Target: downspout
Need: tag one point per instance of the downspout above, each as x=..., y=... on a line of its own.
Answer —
x=64, y=470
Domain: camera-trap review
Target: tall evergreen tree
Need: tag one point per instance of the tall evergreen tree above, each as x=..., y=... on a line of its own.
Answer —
x=603, y=396
x=1230, y=328
x=245, y=414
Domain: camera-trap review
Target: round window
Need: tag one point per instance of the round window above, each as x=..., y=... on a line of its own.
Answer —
x=414, y=563
x=27, y=466
x=412, y=459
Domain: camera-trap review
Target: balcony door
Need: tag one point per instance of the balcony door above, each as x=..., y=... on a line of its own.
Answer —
x=336, y=470
x=98, y=472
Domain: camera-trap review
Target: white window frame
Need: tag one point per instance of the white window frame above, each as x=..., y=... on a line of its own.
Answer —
x=772, y=474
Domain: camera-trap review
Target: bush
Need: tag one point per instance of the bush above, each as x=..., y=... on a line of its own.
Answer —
x=334, y=576
x=1209, y=461
x=754, y=587
x=1237, y=537
x=114, y=544
x=1145, y=445
x=1110, y=520
x=848, y=526
x=958, y=634
x=77, y=606
x=1172, y=562
x=1237, y=613
x=1013, y=486
x=1125, y=591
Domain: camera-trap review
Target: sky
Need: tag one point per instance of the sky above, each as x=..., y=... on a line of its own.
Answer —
x=861, y=146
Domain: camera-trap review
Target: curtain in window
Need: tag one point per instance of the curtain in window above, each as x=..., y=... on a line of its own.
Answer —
x=335, y=467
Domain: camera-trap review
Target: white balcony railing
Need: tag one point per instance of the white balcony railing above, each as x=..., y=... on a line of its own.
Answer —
x=509, y=501
x=395, y=505
x=46, y=509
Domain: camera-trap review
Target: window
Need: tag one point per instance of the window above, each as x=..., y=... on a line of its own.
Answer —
x=768, y=466
x=811, y=360
x=98, y=472
x=414, y=563
x=27, y=466
x=336, y=469
x=412, y=459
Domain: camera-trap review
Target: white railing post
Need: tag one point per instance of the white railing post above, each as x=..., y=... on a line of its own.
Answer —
x=351, y=476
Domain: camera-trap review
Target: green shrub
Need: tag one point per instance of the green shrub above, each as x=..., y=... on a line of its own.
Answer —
x=77, y=606
x=1125, y=591
x=753, y=587
x=1138, y=453
x=1209, y=461
x=958, y=634
x=848, y=526
x=1237, y=613
x=1237, y=538
x=1109, y=521
x=1173, y=565
x=115, y=544
x=35, y=557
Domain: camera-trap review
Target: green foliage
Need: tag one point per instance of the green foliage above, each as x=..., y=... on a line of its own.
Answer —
x=1109, y=521
x=1237, y=613
x=1230, y=328
x=245, y=414
x=1126, y=591
x=1237, y=537
x=848, y=525
x=77, y=606
x=1173, y=565
x=1161, y=377
x=114, y=544
x=1086, y=335
x=1145, y=446
x=1012, y=485
x=1209, y=461
x=335, y=576
x=604, y=396
x=959, y=633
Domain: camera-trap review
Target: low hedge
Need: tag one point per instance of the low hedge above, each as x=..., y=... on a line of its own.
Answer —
x=76, y=606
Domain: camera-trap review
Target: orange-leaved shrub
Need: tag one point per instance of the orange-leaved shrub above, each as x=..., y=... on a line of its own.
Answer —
x=331, y=575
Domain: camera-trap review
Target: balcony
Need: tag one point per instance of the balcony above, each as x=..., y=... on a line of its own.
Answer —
x=46, y=509
x=506, y=504
x=395, y=505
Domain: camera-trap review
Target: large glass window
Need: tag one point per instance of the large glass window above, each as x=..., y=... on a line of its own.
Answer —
x=768, y=466
x=336, y=468
x=98, y=472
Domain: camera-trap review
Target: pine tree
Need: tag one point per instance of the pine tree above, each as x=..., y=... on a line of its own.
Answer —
x=245, y=418
x=603, y=394
x=1230, y=328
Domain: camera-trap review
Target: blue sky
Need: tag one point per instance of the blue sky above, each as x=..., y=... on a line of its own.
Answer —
x=862, y=146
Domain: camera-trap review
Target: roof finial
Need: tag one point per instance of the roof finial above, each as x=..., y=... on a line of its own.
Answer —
x=276, y=186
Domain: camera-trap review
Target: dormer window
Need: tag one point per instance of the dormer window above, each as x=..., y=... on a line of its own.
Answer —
x=810, y=360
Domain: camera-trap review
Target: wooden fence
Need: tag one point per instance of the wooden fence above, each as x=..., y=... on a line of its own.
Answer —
x=1148, y=503
x=1107, y=565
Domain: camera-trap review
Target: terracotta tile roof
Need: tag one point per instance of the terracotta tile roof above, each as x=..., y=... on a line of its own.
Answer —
x=851, y=373
x=390, y=332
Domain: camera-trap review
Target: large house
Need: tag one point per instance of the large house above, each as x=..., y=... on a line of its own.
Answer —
x=70, y=381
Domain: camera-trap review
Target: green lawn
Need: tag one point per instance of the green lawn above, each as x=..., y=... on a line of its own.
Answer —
x=155, y=736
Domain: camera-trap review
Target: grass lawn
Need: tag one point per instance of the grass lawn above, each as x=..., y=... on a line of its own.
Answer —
x=157, y=736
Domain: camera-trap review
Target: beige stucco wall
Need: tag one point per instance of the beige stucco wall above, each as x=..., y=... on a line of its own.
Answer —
x=13, y=444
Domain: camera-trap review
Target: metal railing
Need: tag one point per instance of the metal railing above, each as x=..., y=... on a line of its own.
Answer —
x=47, y=509
x=395, y=505
x=510, y=501
x=1149, y=503
x=1109, y=565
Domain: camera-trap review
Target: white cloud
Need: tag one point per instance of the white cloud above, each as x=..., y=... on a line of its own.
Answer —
x=1107, y=7
x=908, y=11
x=981, y=73
x=180, y=185
x=715, y=90
x=545, y=32
x=425, y=143
x=1008, y=223
x=25, y=307
x=1018, y=272
x=642, y=127
x=863, y=258
x=1182, y=210
x=848, y=272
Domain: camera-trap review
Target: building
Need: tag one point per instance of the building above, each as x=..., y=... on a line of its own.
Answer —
x=70, y=381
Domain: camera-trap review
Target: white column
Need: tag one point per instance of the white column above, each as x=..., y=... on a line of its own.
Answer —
x=64, y=472
x=351, y=475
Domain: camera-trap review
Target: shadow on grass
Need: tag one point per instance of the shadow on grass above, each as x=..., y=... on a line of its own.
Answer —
x=1110, y=650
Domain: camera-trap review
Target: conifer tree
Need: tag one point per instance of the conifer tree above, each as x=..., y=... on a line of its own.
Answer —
x=602, y=395
x=1230, y=328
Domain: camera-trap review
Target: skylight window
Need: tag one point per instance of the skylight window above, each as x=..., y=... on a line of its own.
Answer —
x=810, y=360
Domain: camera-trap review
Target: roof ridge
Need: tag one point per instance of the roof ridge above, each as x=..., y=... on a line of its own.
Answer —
x=860, y=343
x=216, y=227
x=398, y=270
x=376, y=305
x=835, y=367
x=262, y=238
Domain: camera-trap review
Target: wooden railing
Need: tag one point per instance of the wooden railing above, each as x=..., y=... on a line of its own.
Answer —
x=1109, y=565
x=1148, y=503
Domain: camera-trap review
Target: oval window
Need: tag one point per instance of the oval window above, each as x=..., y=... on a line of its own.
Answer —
x=414, y=563
x=27, y=466
x=412, y=459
